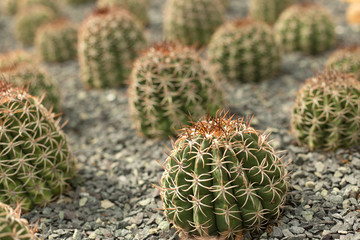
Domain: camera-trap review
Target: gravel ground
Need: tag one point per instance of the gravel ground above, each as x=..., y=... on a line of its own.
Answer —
x=113, y=196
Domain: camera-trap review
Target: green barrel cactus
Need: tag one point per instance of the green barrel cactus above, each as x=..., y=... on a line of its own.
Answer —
x=35, y=161
x=169, y=82
x=52, y=4
x=192, y=22
x=306, y=27
x=139, y=8
x=345, y=59
x=56, y=41
x=222, y=178
x=244, y=50
x=109, y=42
x=326, y=112
x=268, y=10
x=12, y=226
x=9, y=7
x=29, y=20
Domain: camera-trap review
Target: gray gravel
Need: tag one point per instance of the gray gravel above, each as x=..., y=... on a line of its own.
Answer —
x=113, y=196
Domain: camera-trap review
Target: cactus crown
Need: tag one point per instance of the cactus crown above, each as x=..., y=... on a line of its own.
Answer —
x=268, y=10
x=345, y=59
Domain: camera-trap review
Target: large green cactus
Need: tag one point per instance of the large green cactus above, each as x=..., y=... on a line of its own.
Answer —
x=167, y=83
x=192, y=22
x=222, y=178
x=326, y=113
x=12, y=226
x=306, y=27
x=345, y=59
x=244, y=50
x=35, y=161
x=109, y=41
x=268, y=10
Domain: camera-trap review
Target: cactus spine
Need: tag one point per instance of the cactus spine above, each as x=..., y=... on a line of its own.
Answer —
x=346, y=60
x=268, y=10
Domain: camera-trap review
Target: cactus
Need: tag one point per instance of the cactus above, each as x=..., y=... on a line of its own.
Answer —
x=28, y=21
x=326, y=112
x=79, y=2
x=244, y=50
x=26, y=4
x=345, y=59
x=12, y=226
x=9, y=7
x=168, y=82
x=192, y=22
x=10, y=59
x=222, y=178
x=139, y=8
x=306, y=27
x=109, y=41
x=35, y=160
x=268, y=10
x=56, y=41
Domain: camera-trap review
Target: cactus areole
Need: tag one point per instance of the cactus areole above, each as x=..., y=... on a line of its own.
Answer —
x=222, y=178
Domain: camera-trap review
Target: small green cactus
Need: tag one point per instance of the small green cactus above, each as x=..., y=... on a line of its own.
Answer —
x=244, y=50
x=192, y=22
x=268, y=10
x=35, y=161
x=12, y=226
x=346, y=60
x=222, y=178
x=52, y=4
x=9, y=7
x=29, y=20
x=139, y=8
x=326, y=112
x=167, y=83
x=109, y=41
x=56, y=41
x=306, y=27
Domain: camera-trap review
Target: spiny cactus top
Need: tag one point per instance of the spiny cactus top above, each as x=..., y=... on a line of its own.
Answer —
x=56, y=41
x=345, y=59
x=268, y=10
x=244, y=50
x=35, y=161
x=306, y=27
x=10, y=59
x=192, y=22
x=109, y=41
x=326, y=114
x=221, y=178
x=12, y=226
x=167, y=83
x=139, y=8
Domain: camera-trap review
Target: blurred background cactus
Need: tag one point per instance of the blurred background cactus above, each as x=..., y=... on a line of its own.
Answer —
x=78, y=2
x=9, y=7
x=268, y=10
x=346, y=60
x=326, y=112
x=109, y=41
x=244, y=50
x=169, y=82
x=56, y=41
x=52, y=4
x=192, y=22
x=306, y=27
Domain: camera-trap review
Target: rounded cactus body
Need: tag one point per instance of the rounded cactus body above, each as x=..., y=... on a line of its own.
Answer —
x=268, y=10
x=169, y=82
x=346, y=60
x=35, y=160
x=139, y=8
x=244, y=50
x=12, y=226
x=9, y=7
x=29, y=20
x=109, y=41
x=222, y=178
x=305, y=27
x=192, y=22
x=56, y=41
x=326, y=114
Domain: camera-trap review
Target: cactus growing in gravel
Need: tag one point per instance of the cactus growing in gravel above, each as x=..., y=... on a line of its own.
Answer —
x=56, y=41
x=9, y=7
x=326, y=114
x=192, y=22
x=167, y=83
x=268, y=10
x=222, y=178
x=139, y=8
x=244, y=50
x=306, y=27
x=345, y=59
x=12, y=226
x=29, y=20
x=109, y=41
x=35, y=161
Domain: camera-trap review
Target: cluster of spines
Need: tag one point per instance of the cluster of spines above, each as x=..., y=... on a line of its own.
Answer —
x=268, y=10
x=346, y=60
